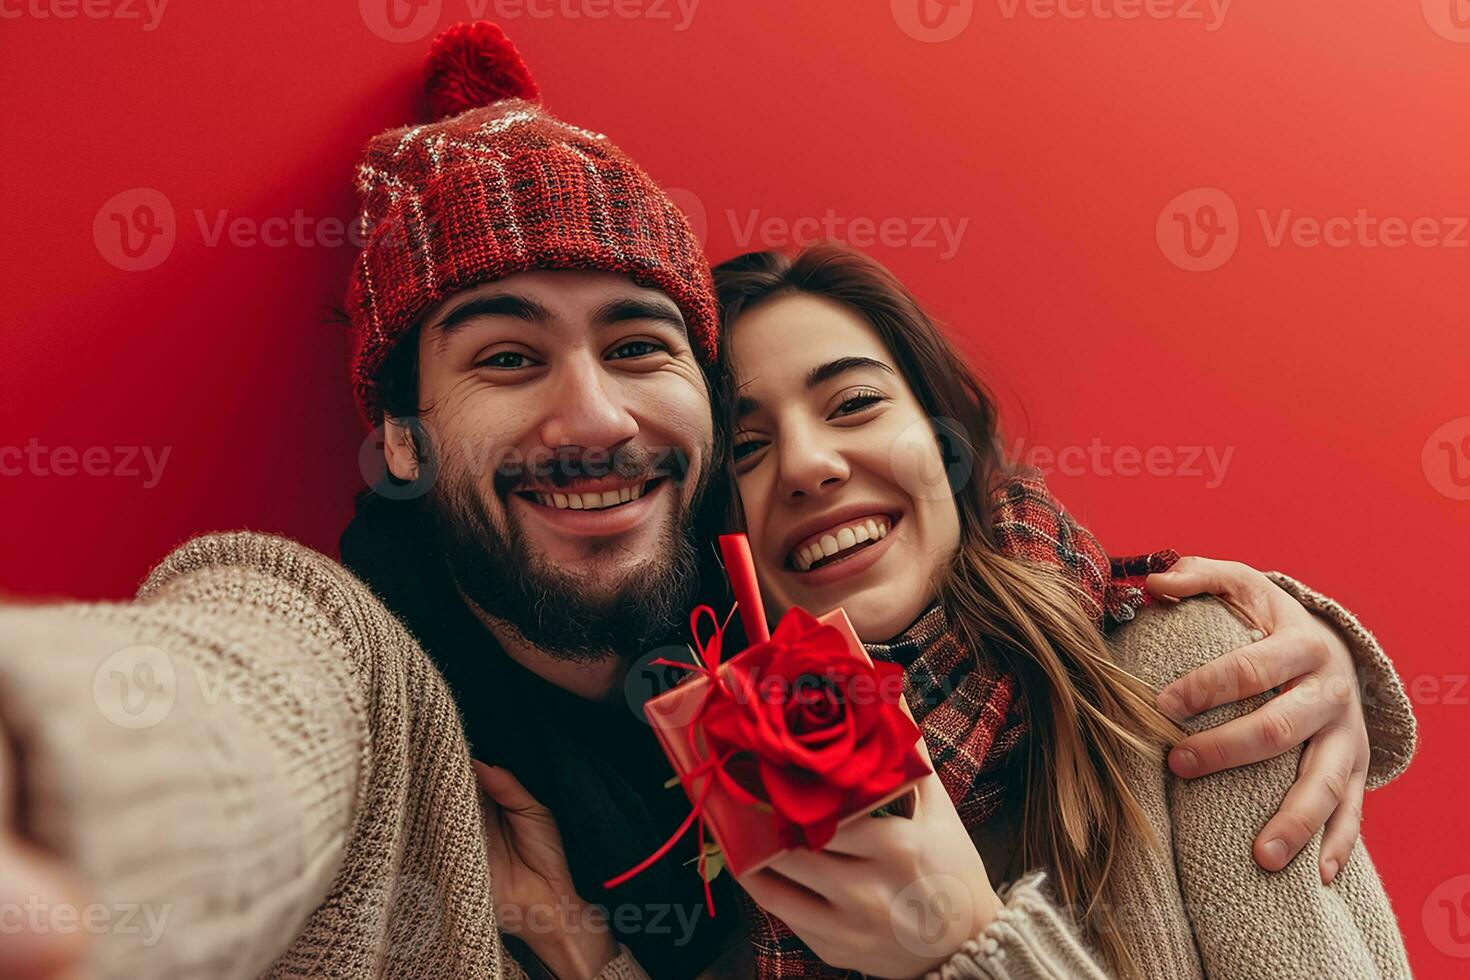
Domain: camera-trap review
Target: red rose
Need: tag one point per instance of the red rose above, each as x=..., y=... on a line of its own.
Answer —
x=817, y=732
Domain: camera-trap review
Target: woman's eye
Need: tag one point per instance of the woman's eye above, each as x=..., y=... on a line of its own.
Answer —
x=636, y=348
x=858, y=402
x=507, y=360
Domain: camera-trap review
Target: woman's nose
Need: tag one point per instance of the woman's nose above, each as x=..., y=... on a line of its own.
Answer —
x=810, y=467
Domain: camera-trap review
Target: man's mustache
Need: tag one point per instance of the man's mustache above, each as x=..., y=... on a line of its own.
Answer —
x=565, y=466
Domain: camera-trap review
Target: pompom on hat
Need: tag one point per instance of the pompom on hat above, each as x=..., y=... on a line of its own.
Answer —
x=496, y=185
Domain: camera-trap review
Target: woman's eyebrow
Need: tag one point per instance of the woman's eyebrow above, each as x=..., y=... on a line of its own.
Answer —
x=744, y=404
x=830, y=370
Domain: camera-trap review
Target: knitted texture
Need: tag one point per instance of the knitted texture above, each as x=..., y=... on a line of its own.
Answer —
x=1198, y=908
x=306, y=808
x=1029, y=523
x=500, y=189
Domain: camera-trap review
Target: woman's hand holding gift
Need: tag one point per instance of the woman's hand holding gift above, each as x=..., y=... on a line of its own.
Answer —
x=887, y=896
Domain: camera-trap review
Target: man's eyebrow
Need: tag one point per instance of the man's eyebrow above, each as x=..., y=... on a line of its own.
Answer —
x=501, y=304
x=744, y=404
x=625, y=309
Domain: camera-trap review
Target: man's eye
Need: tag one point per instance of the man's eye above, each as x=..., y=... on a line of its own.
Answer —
x=505, y=360
x=858, y=402
x=636, y=348
x=743, y=449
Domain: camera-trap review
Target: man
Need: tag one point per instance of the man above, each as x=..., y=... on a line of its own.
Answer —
x=261, y=771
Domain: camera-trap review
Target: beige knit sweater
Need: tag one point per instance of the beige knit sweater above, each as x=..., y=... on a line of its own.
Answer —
x=260, y=773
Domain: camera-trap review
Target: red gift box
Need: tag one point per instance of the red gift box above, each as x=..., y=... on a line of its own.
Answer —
x=782, y=743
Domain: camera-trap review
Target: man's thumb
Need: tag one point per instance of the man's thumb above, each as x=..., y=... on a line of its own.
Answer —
x=505, y=789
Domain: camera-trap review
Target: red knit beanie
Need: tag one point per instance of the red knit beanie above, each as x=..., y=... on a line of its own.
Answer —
x=494, y=186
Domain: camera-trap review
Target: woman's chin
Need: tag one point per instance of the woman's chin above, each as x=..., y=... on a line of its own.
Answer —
x=879, y=612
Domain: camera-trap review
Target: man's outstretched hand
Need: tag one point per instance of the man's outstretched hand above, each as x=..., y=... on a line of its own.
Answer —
x=30, y=880
x=1319, y=703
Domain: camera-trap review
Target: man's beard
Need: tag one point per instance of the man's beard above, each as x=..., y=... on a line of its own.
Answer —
x=502, y=574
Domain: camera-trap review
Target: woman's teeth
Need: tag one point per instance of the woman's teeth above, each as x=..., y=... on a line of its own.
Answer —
x=591, y=501
x=837, y=542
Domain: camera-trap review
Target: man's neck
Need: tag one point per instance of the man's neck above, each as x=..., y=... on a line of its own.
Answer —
x=593, y=679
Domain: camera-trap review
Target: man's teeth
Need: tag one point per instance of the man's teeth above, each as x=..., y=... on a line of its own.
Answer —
x=590, y=501
x=833, y=542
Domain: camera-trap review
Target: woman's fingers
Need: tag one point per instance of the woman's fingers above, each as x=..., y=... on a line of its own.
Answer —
x=796, y=905
x=1242, y=673
x=827, y=873
x=1280, y=724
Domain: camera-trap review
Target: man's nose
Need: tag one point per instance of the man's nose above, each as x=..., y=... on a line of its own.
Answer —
x=587, y=409
x=809, y=465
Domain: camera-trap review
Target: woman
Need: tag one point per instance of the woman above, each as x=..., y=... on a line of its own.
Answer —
x=836, y=379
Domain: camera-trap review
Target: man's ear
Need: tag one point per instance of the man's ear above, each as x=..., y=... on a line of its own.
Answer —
x=400, y=449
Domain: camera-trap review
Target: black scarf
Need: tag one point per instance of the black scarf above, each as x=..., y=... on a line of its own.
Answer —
x=597, y=766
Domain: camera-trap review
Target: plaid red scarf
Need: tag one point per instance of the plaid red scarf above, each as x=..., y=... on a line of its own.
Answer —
x=972, y=730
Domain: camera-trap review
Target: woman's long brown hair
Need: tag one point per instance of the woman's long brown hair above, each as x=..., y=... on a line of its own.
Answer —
x=1086, y=714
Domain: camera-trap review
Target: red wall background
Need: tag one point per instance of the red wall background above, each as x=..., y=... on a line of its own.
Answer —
x=1049, y=138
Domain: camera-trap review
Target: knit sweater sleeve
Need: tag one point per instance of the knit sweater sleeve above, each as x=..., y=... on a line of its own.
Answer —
x=1392, y=730
x=1214, y=913
x=225, y=761
x=1242, y=917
